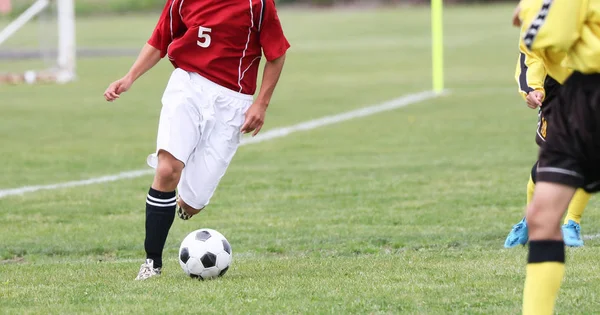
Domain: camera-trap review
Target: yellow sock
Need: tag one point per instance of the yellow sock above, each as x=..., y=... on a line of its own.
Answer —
x=545, y=271
x=577, y=205
x=541, y=287
x=530, y=189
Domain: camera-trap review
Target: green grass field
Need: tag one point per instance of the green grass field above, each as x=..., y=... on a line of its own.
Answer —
x=403, y=212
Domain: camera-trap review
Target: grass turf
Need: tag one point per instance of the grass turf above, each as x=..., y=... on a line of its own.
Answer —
x=399, y=212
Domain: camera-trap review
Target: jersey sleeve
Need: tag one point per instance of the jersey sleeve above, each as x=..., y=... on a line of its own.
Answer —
x=272, y=40
x=169, y=27
x=554, y=24
x=530, y=72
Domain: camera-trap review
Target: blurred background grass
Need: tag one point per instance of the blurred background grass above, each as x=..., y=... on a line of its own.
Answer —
x=91, y=7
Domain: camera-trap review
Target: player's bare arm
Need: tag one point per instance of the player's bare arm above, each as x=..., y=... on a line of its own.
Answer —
x=255, y=116
x=148, y=58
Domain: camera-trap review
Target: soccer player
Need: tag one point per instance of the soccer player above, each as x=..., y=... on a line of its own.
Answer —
x=570, y=157
x=539, y=77
x=215, y=47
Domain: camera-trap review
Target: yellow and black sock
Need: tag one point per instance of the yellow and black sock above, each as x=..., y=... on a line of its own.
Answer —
x=577, y=205
x=545, y=271
x=531, y=183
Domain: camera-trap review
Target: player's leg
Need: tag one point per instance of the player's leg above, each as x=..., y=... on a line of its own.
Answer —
x=219, y=142
x=546, y=260
x=571, y=227
x=177, y=138
x=572, y=224
x=566, y=162
x=518, y=235
x=160, y=212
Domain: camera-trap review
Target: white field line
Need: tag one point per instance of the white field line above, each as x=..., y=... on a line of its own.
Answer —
x=591, y=237
x=265, y=136
x=100, y=260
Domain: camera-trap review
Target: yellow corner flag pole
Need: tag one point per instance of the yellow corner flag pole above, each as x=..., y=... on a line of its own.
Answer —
x=437, y=45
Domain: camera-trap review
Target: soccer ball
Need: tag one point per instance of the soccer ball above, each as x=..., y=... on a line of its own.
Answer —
x=205, y=254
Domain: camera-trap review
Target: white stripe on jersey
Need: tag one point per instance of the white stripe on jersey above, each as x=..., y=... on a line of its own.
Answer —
x=262, y=12
x=181, y=5
x=171, y=18
x=244, y=73
x=247, y=43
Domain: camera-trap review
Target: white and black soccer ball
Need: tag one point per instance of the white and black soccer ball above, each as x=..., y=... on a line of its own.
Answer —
x=205, y=254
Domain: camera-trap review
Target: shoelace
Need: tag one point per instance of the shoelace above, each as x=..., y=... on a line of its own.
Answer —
x=576, y=227
x=517, y=227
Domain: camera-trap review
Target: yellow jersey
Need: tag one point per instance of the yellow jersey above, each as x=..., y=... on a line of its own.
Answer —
x=570, y=26
x=533, y=66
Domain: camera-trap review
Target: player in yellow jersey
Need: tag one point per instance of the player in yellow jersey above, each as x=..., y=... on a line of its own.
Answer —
x=539, y=77
x=570, y=157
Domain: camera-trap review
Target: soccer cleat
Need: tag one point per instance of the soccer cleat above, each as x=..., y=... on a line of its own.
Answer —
x=518, y=235
x=182, y=214
x=147, y=270
x=572, y=234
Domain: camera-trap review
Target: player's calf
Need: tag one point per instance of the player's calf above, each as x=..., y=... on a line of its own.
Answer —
x=546, y=258
x=161, y=202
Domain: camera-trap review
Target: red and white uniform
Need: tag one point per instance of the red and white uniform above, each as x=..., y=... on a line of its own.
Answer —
x=216, y=47
x=222, y=40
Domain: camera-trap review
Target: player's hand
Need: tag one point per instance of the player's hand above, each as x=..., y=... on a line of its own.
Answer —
x=516, y=21
x=255, y=118
x=534, y=99
x=115, y=89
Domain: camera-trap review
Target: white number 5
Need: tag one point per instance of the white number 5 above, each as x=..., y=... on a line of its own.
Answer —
x=204, y=36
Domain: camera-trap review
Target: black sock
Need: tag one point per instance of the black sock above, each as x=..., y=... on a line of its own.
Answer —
x=546, y=251
x=160, y=213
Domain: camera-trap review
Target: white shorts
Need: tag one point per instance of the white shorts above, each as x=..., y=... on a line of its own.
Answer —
x=199, y=125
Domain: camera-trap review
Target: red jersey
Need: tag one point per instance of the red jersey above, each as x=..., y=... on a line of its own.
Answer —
x=222, y=40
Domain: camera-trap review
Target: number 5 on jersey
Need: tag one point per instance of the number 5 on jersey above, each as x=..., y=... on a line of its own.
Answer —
x=204, y=36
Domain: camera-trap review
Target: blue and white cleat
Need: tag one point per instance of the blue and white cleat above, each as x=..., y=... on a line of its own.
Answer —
x=572, y=234
x=518, y=235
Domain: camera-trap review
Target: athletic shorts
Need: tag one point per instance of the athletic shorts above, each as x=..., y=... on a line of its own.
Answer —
x=551, y=88
x=199, y=125
x=571, y=153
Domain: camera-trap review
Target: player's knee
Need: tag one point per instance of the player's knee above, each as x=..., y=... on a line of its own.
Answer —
x=169, y=168
x=533, y=214
x=535, y=222
x=543, y=221
x=167, y=173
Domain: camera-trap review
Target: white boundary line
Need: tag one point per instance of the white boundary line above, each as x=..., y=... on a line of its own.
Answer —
x=265, y=136
x=591, y=237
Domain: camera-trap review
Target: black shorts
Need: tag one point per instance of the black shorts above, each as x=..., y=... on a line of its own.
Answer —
x=552, y=88
x=571, y=153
